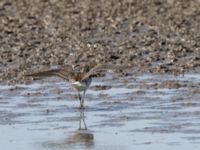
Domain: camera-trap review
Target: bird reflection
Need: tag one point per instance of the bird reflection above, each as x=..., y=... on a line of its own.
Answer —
x=81, y=137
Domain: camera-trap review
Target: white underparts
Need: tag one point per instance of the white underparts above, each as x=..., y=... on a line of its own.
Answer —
x=80, y=86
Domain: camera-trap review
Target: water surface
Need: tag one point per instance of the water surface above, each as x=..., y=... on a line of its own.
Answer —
x=136, y=112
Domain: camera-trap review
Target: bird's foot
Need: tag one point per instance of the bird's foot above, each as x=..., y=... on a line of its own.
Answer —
x=82, y=107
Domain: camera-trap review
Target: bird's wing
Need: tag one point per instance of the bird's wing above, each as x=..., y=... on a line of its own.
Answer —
x=102, y=68
x=63, y=73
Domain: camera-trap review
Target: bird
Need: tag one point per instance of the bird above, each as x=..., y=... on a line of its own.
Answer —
x=80, y=79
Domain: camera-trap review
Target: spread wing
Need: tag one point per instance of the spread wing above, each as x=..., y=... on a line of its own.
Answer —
x=62, y=73
x=102, y=68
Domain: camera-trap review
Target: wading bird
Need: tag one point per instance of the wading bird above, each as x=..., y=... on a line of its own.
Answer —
x=79, y=79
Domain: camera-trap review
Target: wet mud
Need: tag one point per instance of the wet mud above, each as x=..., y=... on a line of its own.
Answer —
x=148, y=36
x=148, y=111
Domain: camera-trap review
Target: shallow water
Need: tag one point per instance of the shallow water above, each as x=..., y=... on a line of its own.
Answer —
x=137, y=112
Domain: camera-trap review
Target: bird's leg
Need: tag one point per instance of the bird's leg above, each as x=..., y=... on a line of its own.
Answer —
x=82, y=99
x=79, y=97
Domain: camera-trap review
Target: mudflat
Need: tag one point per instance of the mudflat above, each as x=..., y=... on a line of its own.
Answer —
x=154, y=104
x=149, y=36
